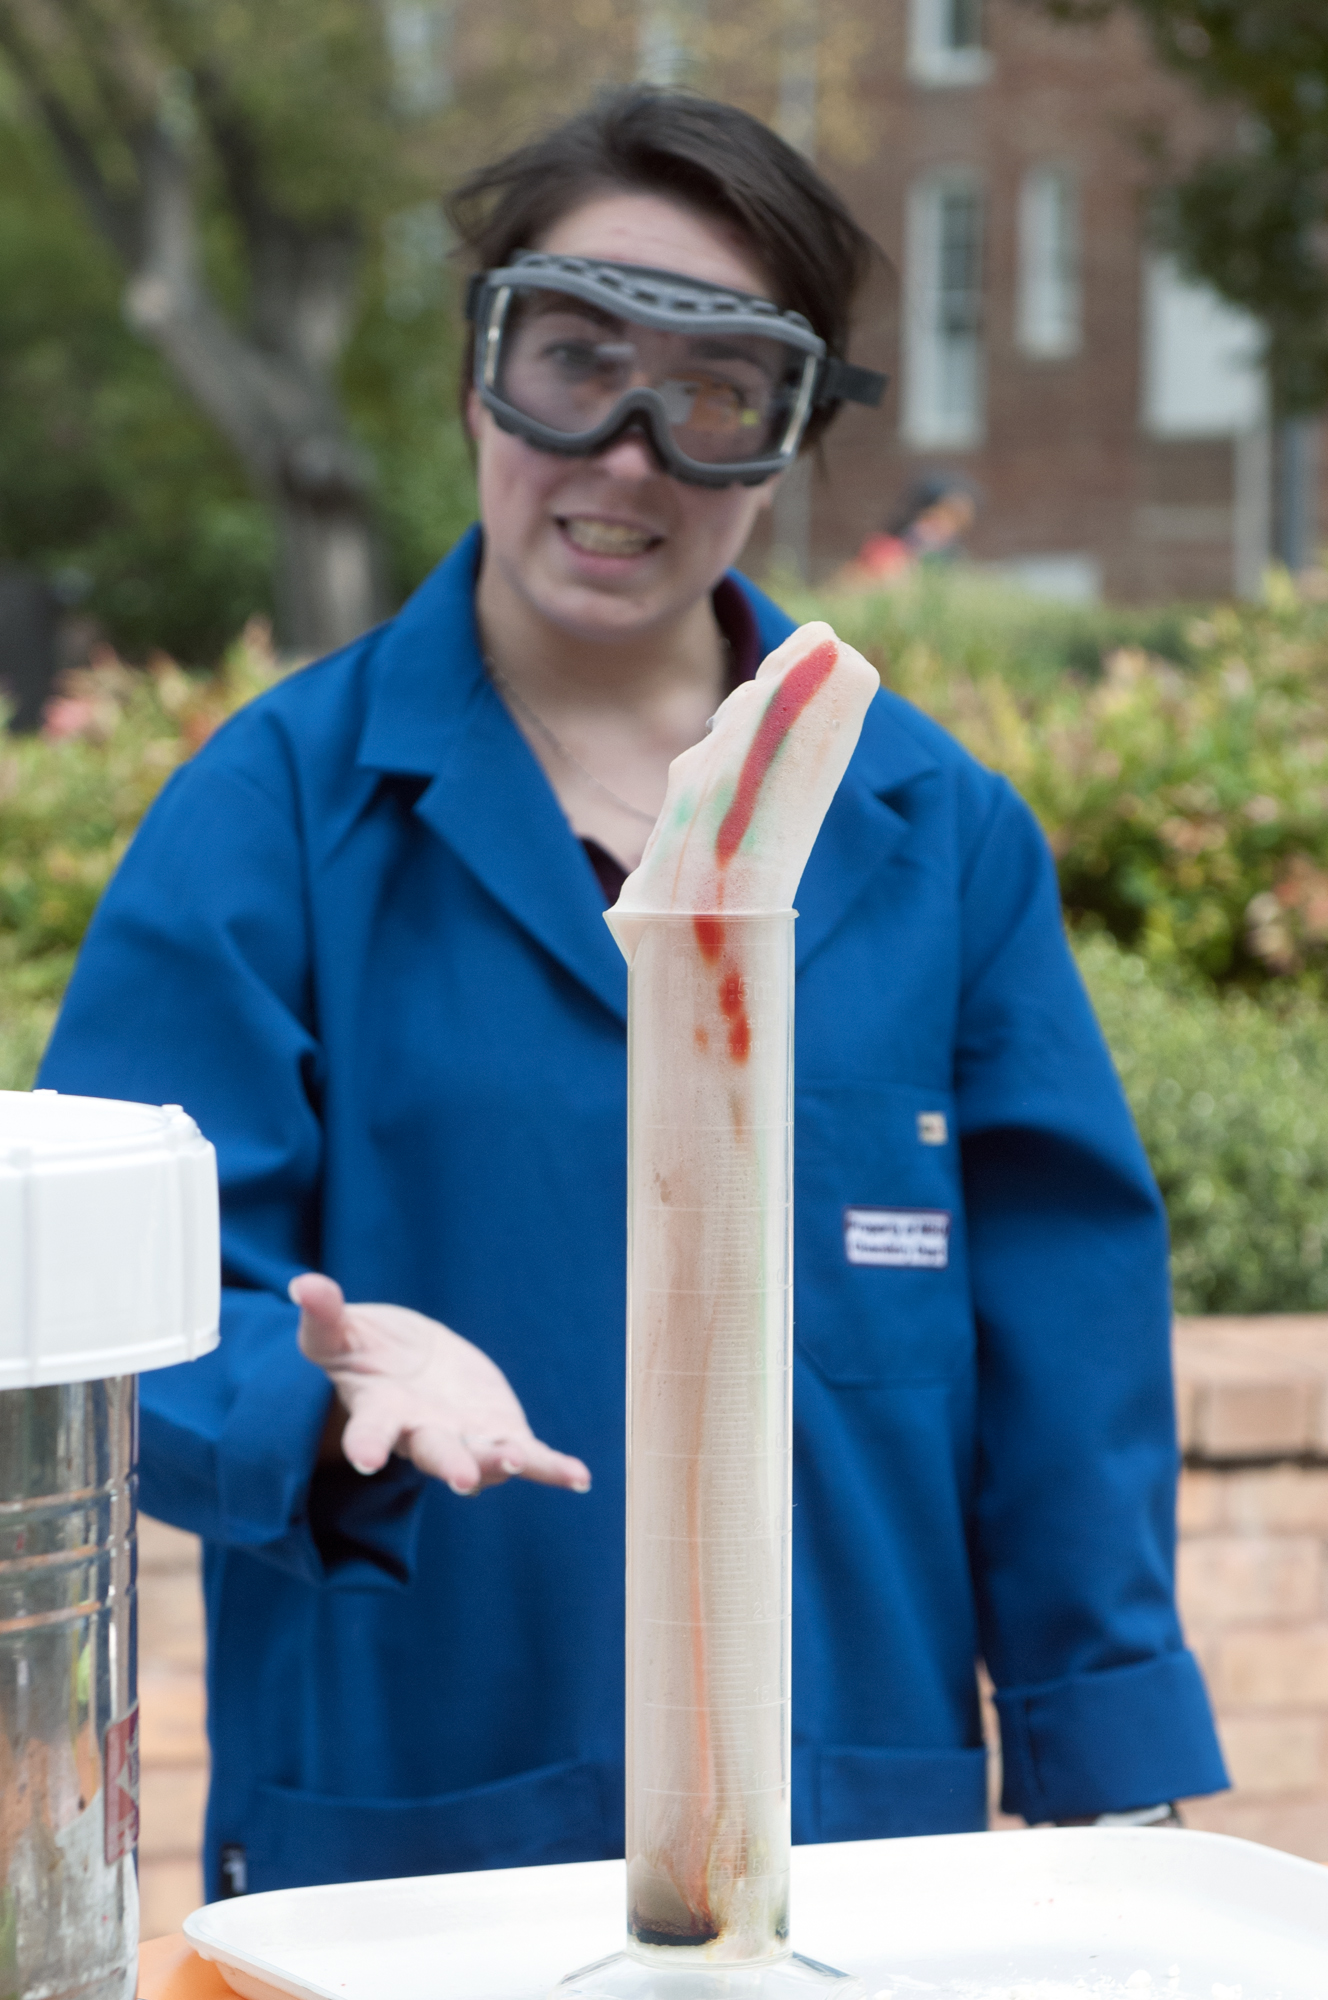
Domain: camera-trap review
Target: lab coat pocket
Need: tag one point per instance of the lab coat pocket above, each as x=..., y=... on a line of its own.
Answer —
x=880, y=1258
x=871, y=1794
x=553, y=1814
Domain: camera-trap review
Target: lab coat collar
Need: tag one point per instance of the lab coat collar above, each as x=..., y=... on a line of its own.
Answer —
x=433, y=713
x=428, y=670
x=862, y=829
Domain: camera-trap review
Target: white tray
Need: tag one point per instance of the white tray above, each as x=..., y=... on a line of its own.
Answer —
x=1062, y=1914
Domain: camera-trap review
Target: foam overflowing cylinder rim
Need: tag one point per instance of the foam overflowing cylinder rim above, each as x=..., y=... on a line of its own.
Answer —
x=744, y=806
x=627, y=927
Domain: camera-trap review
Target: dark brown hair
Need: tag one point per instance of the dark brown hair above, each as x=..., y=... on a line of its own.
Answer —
x=710, y=156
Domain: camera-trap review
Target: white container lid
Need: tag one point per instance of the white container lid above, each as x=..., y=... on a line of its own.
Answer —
x=109, y=1239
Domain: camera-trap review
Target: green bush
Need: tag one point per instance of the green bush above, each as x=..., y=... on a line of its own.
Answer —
x=1184, y=798
x=70, y=799
x=1231, y=1098
x=980, y=625
x=1230, y=1088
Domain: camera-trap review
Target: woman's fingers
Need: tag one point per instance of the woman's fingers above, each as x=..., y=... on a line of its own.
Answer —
x=371, y=1432
x=323, y=1331
x=455, y=1416
x=554, y=1468
x=469, y=1464
x=521, y=1456
x=445, y=1455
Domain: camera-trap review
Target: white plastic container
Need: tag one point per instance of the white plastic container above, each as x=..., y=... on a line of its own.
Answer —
x=1062, y=1914
x=108, y=1238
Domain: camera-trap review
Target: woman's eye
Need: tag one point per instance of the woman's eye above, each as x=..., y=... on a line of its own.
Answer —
x=573, y=357
x=578, y=360
x=709, y=404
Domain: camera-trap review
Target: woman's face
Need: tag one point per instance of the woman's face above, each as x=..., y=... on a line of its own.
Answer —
x=611, y=546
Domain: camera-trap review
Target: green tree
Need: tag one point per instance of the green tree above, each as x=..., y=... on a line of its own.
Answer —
x=110, y=483
x=116, y=486
x=236, y=158
x=261, y=178
x=1251, y=218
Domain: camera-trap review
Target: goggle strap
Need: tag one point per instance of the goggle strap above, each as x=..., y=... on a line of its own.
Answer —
x=842, y=382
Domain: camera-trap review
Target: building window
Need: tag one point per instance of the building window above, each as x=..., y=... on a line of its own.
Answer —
x=1050, y=304
x=945, y=42
x=419, y=39
x=1202, y=372
x=943, y=311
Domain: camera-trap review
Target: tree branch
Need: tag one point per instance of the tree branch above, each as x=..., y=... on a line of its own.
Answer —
x=279, y=415
x=303, y=277
x=96, y=74
x=113, y=216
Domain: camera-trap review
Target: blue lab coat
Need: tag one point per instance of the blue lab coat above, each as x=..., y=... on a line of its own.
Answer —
x=358, y=941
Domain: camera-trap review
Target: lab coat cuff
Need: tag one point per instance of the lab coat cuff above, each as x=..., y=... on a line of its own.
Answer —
x=268, y=1445
x=366, y=1529
x=1110, y=1741
x=326, y=1524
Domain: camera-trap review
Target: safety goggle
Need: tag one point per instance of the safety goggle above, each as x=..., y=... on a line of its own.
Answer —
x=571, y=352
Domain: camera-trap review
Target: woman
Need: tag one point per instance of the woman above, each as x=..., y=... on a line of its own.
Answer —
x=360, y=939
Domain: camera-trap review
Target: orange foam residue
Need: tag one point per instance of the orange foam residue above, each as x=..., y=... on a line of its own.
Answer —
x=170, y=1969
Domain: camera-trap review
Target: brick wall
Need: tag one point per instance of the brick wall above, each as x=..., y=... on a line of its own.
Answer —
x=1253, y=1571
x=1065, y=463
x=1253, y=1565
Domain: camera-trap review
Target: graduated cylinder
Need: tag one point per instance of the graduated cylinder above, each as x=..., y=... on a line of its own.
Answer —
x=709, y=1361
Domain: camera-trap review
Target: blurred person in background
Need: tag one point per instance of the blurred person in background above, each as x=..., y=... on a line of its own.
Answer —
x=360, y=938
x=938, y=513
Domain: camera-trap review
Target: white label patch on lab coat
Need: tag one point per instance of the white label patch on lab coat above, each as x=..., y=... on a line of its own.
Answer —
x=912, y=1239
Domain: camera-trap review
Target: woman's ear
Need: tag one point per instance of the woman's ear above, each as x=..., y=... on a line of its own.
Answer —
x=765, y=493
x=474, y=412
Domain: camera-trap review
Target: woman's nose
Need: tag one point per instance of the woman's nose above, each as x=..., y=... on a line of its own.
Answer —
x=628, y=457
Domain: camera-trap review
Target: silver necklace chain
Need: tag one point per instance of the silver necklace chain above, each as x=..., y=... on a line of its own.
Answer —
x=513, y=700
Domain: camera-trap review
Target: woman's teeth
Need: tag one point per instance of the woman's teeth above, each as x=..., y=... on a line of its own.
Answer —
x=607, y=538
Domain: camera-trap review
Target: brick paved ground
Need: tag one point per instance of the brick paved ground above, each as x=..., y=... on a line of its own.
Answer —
x=1253, y=1584
x=171, y=1729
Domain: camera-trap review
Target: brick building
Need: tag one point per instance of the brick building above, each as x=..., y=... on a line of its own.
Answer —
x=1111, y=415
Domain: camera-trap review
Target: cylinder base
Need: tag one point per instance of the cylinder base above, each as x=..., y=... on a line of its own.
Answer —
x=626, y=1977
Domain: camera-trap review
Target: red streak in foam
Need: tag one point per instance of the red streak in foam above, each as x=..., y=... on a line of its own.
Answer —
x=709, y=937
x=733, y=1006
x=794, y=692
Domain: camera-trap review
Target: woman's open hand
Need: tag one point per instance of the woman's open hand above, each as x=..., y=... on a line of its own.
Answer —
x=410, y=1385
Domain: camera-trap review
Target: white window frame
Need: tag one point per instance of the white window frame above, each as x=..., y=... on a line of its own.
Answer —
x=936, y=57
x=1049, y=312
x=670, y=41
x=1202, y=359
x=660, y=56
x=420, y=35
x=944, y=374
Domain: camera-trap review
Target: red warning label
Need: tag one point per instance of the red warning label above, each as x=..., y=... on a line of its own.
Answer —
x=120, y=1768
